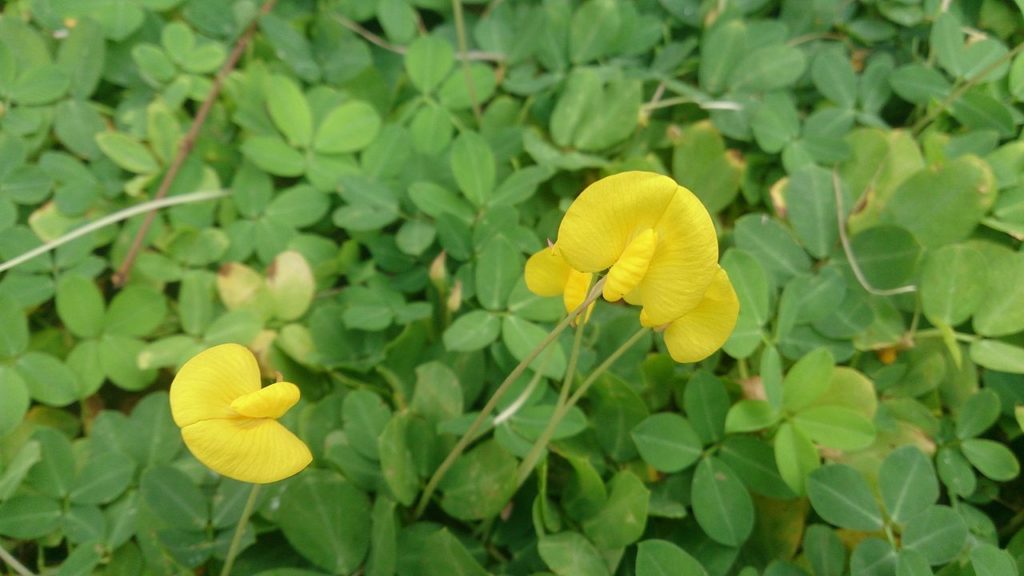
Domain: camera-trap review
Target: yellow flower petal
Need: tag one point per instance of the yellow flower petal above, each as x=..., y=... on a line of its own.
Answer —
x=270, y=402
x=257, y=450
x=685, y=261
x=627, y=272
x=576, y=289
x=610, y=213
x=546, y=272
x=705, y=329
x=208, y=383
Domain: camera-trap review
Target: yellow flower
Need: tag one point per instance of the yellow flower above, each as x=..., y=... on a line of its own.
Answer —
x=230, y=423
x=659, y=246
x=655, y=238
x=698, y=333
x=548, y=274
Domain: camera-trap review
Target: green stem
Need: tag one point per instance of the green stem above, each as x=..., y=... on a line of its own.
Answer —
x=11, y=561
x=955, y=95
x=492, y=403
x=460, y=31
x=236, y=540
x=526, y=467
x=936, y=333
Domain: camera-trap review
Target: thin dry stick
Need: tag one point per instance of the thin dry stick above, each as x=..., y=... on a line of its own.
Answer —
x=124, y=214
x=851, y=257
x=11, y=561
x=460, y=31
x=188, y=142
x=472, y=55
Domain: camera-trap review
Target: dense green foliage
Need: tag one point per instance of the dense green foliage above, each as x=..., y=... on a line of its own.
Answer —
x=388, y=166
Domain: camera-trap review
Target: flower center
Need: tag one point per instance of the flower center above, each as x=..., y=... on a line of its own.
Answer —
x=629, y=269
x=270, y=402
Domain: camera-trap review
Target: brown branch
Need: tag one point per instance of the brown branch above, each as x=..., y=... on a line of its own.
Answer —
x=188, y=142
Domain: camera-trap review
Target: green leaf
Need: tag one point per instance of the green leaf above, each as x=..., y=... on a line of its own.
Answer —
x=18, y=467
x=978, y=414
x=824, y=550
x=836, y=427
x=48, y=379
x=989, y=560
x=944, y=205
x=873, y=557
x=701, y=163
x=16, y=402
x=445, y=554
x=754, y=461
x=81, y=55
x=396, y=460
x=522, y=336
x=153, y=439
x=480, y=483
x=721, y=504
x=772, y=245
x=135, y=311
x=14, y=336
x=722, y=48
x=52, y=476
x=706, y=403
x=663, y=558
x=768, y=68
x=623, y=517
x=172, y=494
x=398, y=19
x=472, y=331
x=576, y=99
x=127, y=152
x=938, y=534
x=570, y=554
x=428, y=61
x=27, y=517
x=153, y=64
x=950, y=287
x=1001, y=311
x=76, y=125
x=834, y=77
x=594, y=24
x=40, y=85
x=907, y=482
x=775, y=123
x=273, y=155
x=667, y=442
x=807, y=380
x=383, y=554
x=888, y=256
x=289, y=110
x=919, y=85
x=979, y=111
x=619, y=409
x=291, y=285
x=455, y=93
x=473, y=165
x=499, y=265
x=327, y=520
x=955, y=471
x=105, y=476
x=991, y=458
x=997, y=355
x=750, y=415
x=80, y=305
x=348, y=128
x=795, y=456
x=365, y=416
x=841, y=496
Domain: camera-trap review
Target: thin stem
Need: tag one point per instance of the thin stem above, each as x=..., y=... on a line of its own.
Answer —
x=188, y=142
x=460, y=31
x=518, y=403
x=703, y=104
x=961, y=89
x=236, y=540
x=936, y=333
x=471, y=55
x=848, y=249
x=11, y=561
x=471, y=433
x=528, y=463
x=151, y=207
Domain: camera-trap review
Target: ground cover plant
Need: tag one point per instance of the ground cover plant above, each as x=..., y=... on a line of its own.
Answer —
x=352, y=191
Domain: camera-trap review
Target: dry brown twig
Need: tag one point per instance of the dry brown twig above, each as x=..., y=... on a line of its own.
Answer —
x=188, y=142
